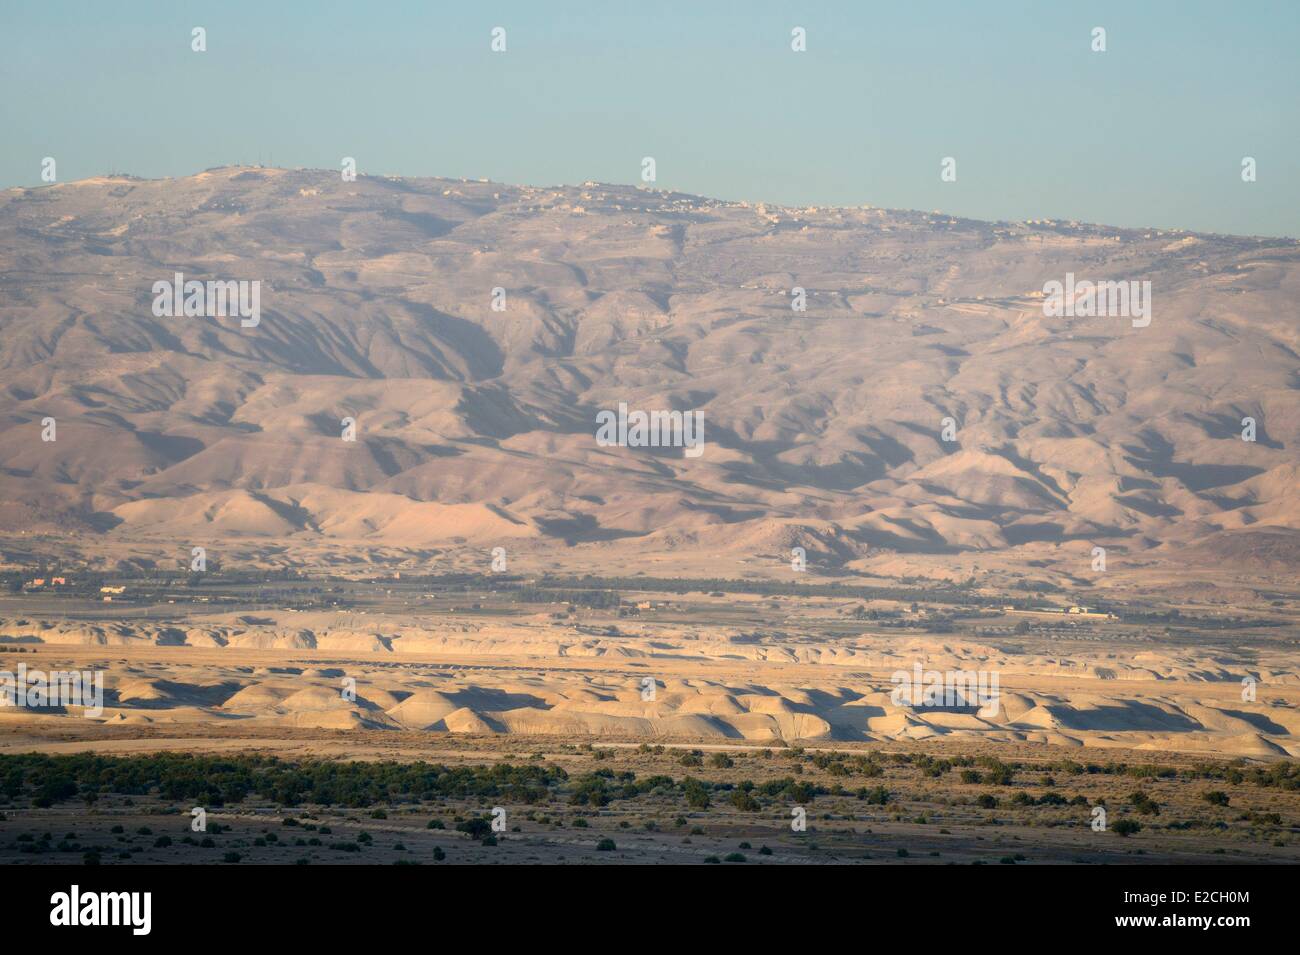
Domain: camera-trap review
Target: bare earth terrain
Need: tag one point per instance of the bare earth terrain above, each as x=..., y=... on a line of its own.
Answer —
x=476, y=583
x=1091, y=713
x=735, y=667
x=823, y=428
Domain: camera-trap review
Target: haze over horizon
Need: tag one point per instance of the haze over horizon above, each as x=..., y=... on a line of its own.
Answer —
x=1150, y=133
x=655, y=187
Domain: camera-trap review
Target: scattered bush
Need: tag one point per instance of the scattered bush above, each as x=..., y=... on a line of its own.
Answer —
x=1126, y=827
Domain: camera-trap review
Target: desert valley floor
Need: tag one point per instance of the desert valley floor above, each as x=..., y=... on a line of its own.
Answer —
x=763, y=701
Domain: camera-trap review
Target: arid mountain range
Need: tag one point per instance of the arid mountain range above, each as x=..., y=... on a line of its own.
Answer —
x=475, y=427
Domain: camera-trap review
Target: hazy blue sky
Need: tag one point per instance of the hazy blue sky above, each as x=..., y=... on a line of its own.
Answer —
x=1151, y=132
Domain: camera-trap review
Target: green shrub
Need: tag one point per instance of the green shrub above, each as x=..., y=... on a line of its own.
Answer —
x=1126, y=827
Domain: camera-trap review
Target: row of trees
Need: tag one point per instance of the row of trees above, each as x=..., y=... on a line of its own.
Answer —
x=220, y=780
